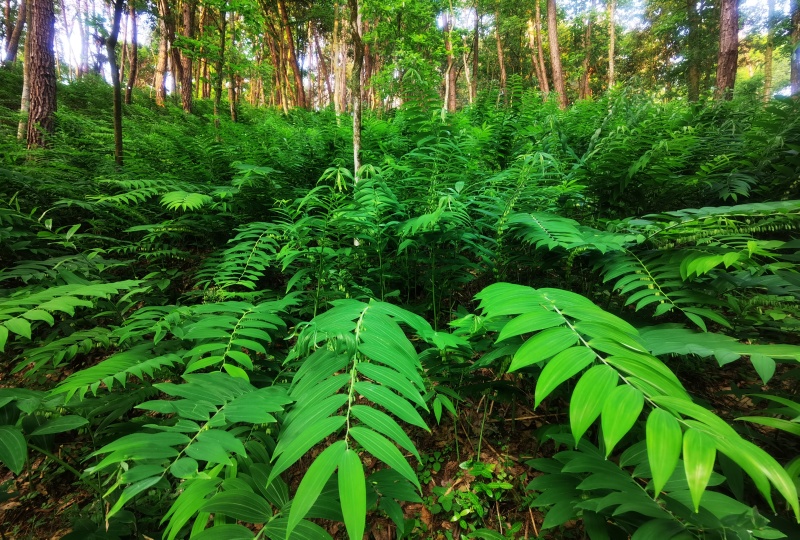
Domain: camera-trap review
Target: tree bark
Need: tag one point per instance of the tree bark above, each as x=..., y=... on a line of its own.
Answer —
x=41, y=121
x=160, y=82
x=500, y=57
x=134, y=55
x=768, y=51
x=585, y=91
x=692, y=52
x=450, y=75
x=555, y=54
x=186, y=60
x=475, y=49
x=233, y=98
x=728, y=49
x=218, y=67
x=300, y=92
x=795, y=56
x=612, y=41
x=25, y=104
x=12, y=44
x=323, y=66
x=111, y=51
x=355, y=82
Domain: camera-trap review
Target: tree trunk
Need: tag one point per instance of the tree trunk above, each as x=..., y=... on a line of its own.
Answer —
x=555, y=54
x=692, y=52
x=233, y=104
x=585, y=91
x=339, y=62
x=41, y=121
x=160, y=81
x=467, y=75
x=83, y=8
x=795, y=48
x=25, y=105
x=450, y=75
x=12, y=45
x=186, y=59
x=768, y=50
x=475, y=48
x=728, y=49
x=500, y=58
x=612, y=41
x=323, y=66
x=537, y=66
x=355, y=82
x=300, y=92
x=134, y=56
x=218, y=67
x=111, y=51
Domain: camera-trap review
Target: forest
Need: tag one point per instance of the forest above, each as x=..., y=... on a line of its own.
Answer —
x=414, y=269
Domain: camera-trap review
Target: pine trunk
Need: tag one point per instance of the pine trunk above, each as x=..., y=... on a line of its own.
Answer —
x=289, y=41
x=555, y=54
x=42, y=75
x=355, y=81
x=12, y=46
x=111, y=51
x=728, y=49
x=160, y=81
x=186, y=60
x=25, y=104
x=612, y=41
x=795, y=48
x=134, y=55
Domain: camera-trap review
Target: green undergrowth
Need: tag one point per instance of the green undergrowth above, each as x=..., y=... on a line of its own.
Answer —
x=247, y=343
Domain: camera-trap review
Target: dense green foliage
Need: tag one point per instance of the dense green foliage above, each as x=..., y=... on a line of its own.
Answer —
x=230, y=307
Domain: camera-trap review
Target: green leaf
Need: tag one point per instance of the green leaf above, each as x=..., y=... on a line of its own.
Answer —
x=533, y=321
x=19, y=326
x=13, y=448
x=663, y=446
x=391, y=402
x=313, y=481
x=353, y=494
x=131, y=491
x=588, y=398
x=385, y=424
x=239, y=504
x=699, y=455
x=61, y=424
x=542, y=346
x=777, y=423
x=3, y=337
x=764, y=366
x=225, y=532
x=620, y=412
x=564, y=365
x=380, y=447
x=184, y=468
x=304, y=441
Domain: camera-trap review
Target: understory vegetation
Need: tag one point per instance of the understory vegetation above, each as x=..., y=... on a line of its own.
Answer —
x=519, y=321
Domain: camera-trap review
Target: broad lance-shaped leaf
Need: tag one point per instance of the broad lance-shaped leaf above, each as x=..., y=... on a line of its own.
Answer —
x=61, y=424
x=537, y=320
x=13, y=448
x=588, y=398
x=303, y=443
x=313, y=481
x=564, y=365
x=353, y=494
x=663, y=446
x=699, y=454
x=380, y=447
x=542, y=346
x=240, y=504
x=620, y=412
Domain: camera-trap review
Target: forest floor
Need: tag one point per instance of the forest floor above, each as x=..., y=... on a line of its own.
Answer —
x=473, y=474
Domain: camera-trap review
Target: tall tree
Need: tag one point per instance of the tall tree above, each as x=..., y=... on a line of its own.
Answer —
x=300, y=94
x=450, y=75
x=188, y=12
x=692, y=51
x=795, y=48
x=356, y=80
x=160, y=77
x=42, y=74
x=555, y=54
x=134, y=54
x=612, y=41
x=500, y=57
x=13, y=32
x=25, y=104
x=584, y=90
x=111, y=51
x=728, y=49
